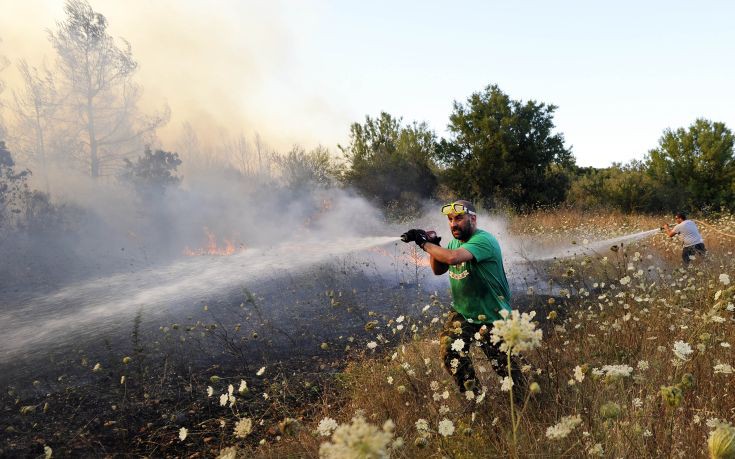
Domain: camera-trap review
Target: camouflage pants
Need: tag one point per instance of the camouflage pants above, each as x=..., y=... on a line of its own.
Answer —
x=458, y=362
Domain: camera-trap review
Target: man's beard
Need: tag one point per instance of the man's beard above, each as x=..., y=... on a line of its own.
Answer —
x=463, y=234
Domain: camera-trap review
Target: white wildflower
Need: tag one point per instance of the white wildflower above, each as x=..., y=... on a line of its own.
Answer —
x=223, y=399
x=516, y=332
x=563, y=428
x=614, y=371
x=243, y=427
x=357, y=439
x=390, y=379
x=506, y=384
x=243, y=387
x=578, y=373
x=260, y=372
x=625, y=280
x=725, y=279
x=723, y=368
x=682, y=350
x=229, y=453
x=643, y=365
x=458, y=345
x=446, y=427
x=372, y=345
x=210, y=391
x=183, y=432
x=596, y=450
x=327, y=426
x=422, y=425
x=434, y=385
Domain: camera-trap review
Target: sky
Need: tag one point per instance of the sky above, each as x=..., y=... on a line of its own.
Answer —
x=300, y=72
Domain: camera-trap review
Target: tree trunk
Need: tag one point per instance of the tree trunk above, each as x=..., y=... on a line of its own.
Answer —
x=94, y=162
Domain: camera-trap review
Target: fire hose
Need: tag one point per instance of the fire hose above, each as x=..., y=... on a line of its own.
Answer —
x=714, y=229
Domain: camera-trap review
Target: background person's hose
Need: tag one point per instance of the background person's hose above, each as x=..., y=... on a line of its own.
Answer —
x=714, y=229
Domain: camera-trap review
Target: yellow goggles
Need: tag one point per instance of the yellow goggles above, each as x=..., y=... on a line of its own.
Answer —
x=456, y=208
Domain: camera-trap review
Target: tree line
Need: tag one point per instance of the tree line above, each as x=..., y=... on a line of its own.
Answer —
x=499, y=151
x=505, y=152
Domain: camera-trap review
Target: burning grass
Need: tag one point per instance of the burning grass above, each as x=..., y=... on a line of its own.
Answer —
x=635, y=361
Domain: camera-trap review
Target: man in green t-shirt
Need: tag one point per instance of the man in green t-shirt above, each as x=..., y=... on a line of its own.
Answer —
x=479, y=291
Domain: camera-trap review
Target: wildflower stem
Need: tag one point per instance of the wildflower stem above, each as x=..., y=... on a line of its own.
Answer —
x=523, y=409
x=514, y=425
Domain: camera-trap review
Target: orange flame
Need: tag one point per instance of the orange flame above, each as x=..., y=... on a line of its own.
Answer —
x=213, y=248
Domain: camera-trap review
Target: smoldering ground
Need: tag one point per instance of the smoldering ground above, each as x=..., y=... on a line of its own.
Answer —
x=136, y=253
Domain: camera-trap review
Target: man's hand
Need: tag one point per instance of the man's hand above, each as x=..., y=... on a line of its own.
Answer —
x=434, y=238
x=419, y=236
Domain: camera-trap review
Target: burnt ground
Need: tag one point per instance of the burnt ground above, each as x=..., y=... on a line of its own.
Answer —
x=303, y=329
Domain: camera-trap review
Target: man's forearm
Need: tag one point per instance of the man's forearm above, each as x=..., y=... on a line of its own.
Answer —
x=437, y=267
x=447, y=256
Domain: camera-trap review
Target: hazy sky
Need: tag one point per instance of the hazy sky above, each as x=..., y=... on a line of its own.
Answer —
x=302, y=71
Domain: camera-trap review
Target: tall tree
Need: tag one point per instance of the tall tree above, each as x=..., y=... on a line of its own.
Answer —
x=505, y=150
x=390, y=162
x=4, y=63
x=35, y=106
x=97, y=72
x=696, y=166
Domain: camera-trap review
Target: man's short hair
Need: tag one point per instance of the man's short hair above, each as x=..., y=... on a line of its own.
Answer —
x=467, y=205
x=681, y=215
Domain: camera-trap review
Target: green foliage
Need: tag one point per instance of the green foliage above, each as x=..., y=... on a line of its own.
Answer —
x=13, y=187
x=154, y=171
x=628, y=188
x=22, y=208
x=389, y=162
x=303, y=170
x=695, y=166
x=504, y=150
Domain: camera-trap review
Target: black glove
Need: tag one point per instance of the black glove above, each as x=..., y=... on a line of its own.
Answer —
x=418, y=236
x=434, y=238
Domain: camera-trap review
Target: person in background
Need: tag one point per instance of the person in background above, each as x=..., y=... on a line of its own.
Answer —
x=687, y=229
x=480, y=291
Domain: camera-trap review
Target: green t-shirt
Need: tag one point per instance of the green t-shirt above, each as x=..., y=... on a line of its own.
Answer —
x=479, y=286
